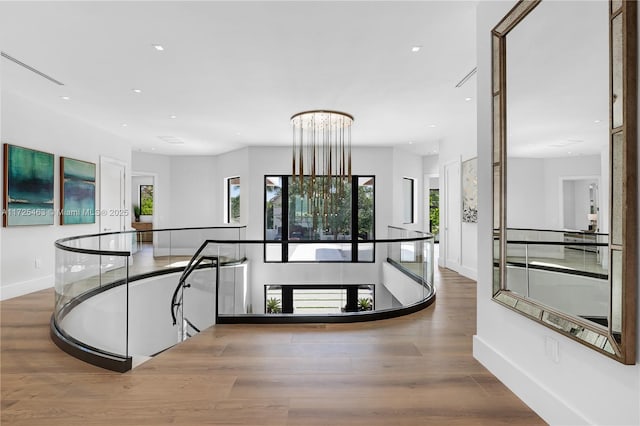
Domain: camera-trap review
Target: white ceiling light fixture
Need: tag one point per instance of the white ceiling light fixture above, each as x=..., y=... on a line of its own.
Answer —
x=124, y=124
x=467, y=99
x=136, y=90
x=432, y=125
x=158, y=47
x=65, y=98
x=416, y=48
x=173, y=117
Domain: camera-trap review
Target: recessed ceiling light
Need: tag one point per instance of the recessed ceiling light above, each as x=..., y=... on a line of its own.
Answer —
x=568, y=152
x=65, y=98
x=137, y=90
x=153, y=149
x=158, y=47
x=416, y=48
x=410, y=142
x=173, y=117
x=238, y=133
x=432, y=125
x=596, y=121
x=467, y=99
x=124, y=124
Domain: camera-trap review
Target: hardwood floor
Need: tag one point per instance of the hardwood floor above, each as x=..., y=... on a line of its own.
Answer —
x=414, y=370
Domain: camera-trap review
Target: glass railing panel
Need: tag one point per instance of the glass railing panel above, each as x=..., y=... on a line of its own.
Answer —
x=198, y=303
x=317, y=284
x=76, y=274
x=84, y=311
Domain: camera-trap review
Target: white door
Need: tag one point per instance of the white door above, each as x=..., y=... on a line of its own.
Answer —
x=113, y=212
x=451, y=237
x=112, y=195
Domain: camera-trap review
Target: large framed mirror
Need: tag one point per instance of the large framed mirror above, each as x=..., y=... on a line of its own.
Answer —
x=564, y=169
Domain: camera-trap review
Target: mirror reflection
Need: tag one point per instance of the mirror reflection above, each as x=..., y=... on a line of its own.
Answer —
x=557, y=168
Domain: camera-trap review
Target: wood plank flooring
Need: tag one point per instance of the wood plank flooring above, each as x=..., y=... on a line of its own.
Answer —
x=414, y=370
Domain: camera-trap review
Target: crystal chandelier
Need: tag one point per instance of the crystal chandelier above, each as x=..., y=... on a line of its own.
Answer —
x=322, y=153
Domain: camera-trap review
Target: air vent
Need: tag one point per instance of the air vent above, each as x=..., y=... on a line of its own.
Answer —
x=467, y=77
x=172, y=140
x=32, y=69
x=568, y=142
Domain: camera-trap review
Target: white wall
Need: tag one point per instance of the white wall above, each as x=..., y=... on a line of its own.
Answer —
x=407, y=165
x=582, y=387
x=430, y=164
x=534, y=196
x=194, y=193
x=30, y=125
x=459, y=146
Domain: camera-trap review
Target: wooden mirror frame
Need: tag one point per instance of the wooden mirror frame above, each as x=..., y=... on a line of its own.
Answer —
x=622, y=184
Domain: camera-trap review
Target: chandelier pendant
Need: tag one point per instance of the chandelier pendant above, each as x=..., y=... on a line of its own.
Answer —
x=321, y=149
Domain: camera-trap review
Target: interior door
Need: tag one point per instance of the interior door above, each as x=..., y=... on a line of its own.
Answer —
x=112, y=195
x=113, y=210
x=452, y=216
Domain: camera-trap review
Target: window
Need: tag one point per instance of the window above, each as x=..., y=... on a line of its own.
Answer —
x=408, y=199
x=146, y=199
x=318, y=298
x=434, y=212
x=233, y=200
x=295, y=212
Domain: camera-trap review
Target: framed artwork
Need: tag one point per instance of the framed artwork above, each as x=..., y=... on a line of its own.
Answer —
x=28, y=187
x=77, y=192
x=470, y=190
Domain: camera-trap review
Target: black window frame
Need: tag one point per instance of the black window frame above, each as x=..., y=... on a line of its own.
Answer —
x=285, y=222
x=413, y=200
x=228, y=200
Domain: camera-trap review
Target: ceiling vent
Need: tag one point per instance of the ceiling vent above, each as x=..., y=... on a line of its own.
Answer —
x=32, y=69
x=172, y=140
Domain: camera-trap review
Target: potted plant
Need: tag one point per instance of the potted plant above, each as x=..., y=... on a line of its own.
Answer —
x=364, y=304
x=136, y=212
x=273, y=306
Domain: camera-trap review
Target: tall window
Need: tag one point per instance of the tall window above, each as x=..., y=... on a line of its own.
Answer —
x=295, y=212
x=146, y=199
x=434, y=213
x=233, y=200
x=408, y=199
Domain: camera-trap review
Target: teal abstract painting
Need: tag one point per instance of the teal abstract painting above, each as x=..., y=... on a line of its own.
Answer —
x=77, y=191
x=28, y=187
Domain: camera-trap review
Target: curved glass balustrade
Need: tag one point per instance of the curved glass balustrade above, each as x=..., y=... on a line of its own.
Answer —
x=121, y=298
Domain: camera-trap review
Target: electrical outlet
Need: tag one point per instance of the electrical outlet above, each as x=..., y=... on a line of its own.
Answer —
x=38, y=263
x=552, y=349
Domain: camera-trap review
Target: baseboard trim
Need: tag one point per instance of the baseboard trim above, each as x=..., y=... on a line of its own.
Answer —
x=548, y=405
x=469, y=273
x=25, y=287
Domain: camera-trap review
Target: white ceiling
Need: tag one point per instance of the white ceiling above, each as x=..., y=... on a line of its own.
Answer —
x=558, y=81
x=234, y=72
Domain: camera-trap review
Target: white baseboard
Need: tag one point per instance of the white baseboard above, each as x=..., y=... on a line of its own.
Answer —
x=539, y=398
x=469, y=273
x=25, y=287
